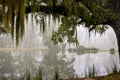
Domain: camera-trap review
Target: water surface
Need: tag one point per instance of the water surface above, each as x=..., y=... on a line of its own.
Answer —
x=37, y=51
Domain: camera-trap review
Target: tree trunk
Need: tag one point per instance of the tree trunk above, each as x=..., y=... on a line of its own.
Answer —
x=116, y=27
x=115, y=24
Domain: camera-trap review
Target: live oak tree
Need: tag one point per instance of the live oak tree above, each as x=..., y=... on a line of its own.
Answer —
x=95, y=14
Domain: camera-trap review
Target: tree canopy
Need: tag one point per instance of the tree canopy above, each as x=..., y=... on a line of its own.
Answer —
x=92, y=13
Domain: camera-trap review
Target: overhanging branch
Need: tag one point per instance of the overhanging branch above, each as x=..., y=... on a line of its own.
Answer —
x=48, y=9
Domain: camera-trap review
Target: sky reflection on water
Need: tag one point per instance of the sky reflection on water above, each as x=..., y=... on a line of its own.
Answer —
x=70, y=64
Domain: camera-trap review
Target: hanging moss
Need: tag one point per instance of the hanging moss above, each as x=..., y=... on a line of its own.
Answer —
x=89, y=11
x=13, y=14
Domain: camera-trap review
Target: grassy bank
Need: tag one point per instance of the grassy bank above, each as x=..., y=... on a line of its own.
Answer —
x=113, y=76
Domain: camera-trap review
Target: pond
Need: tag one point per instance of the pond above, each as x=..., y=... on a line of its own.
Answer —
x=92, y=57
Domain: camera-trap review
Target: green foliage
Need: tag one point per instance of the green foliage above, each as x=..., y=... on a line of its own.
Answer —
x=20, y=21
x=98, y=28
x=92, y=14
x=85, y=14
x=98, y=13
x=13, y=17
x=113, y=5
x=15, y=8
x=89, y=11
x=38, y=76
x=3, y=31
x=71, y=6
x=66, y=30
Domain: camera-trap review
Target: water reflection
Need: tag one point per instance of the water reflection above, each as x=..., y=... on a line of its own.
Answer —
x=69, y=60
x=103, y=63
x=68, y=64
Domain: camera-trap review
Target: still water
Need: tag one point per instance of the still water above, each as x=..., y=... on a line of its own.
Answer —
x=37, y=51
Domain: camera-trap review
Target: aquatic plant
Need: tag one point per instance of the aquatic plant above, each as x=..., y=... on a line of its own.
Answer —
x=39, y=75
x=28, y=75
x=114, y=69
x=92, y=72
x=57, y=75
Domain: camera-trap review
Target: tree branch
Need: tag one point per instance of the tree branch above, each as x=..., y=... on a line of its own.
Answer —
x=48, y=9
